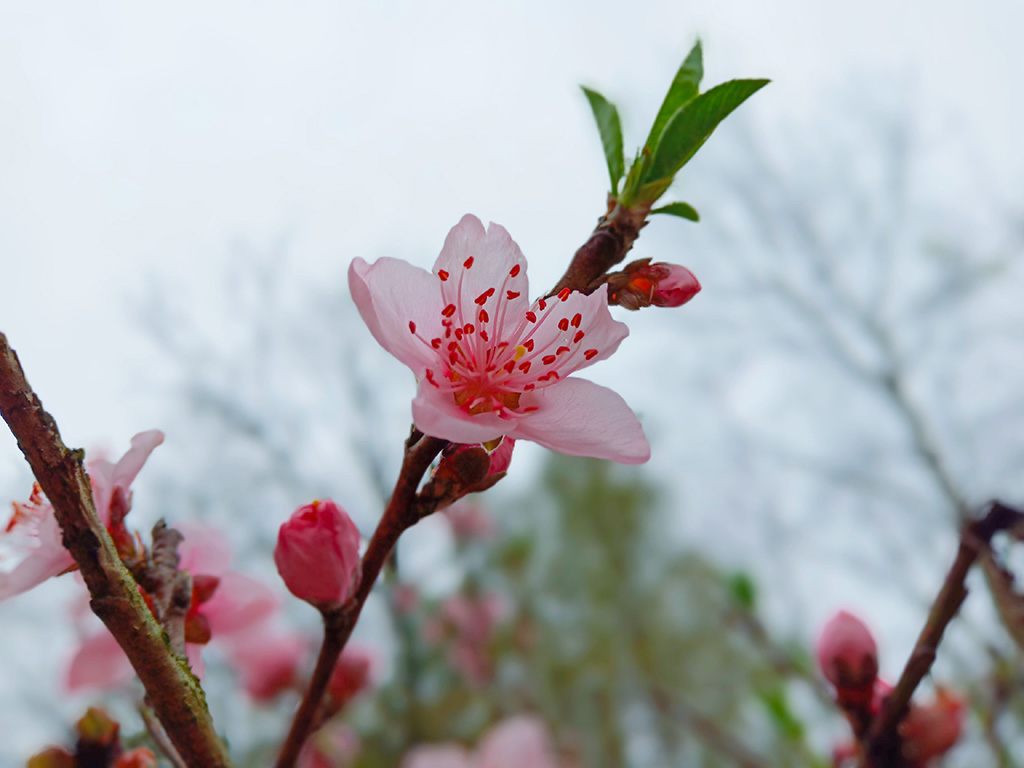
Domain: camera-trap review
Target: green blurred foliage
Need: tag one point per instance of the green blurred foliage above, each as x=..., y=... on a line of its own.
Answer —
x=634, y=653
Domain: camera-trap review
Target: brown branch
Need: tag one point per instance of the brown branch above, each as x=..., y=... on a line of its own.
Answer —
x=172, y=689
x=882, y=742
x=401, y=513
x=611, y=240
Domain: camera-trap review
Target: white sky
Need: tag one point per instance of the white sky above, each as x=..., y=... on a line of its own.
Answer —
x=138, y=142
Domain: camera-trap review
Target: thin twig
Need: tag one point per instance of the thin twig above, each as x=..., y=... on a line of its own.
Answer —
x=400, y=513
x=156, y=733
x=173, y=690
x=882, y=742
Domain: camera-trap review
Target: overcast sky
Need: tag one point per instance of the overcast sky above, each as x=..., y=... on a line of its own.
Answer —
x=139, y=144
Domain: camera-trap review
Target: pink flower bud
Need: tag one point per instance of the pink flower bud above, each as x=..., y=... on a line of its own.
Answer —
x=642, y=284
x=932, y=730
x=317, y=554
x=848, y=656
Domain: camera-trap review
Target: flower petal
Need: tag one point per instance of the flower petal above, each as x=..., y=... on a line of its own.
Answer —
x=239, y=603
x=496, y=263
x=99, y=663
x=128, y=466
x=204, y=550
x=435, y=413
x=581, y=418
x=391, y=293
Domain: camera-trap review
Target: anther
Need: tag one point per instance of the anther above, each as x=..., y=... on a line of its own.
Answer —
x=442, y=274
x=468, y=262
x=576, y=320
x=564, y=294
x=590, y=353
x=563, y=324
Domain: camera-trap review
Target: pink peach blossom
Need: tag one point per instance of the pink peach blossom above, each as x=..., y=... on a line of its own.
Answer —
x=335, y=745
x=268, y=662
x=469, y=521
x=230, y=606
x=515, y=742
x=352, y=674
x=317, y=553
x=518, y=742
x=32, y=539
x=488, y=362
x=437, y=756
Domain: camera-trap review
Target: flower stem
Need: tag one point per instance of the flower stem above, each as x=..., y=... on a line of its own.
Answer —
x=400, y=514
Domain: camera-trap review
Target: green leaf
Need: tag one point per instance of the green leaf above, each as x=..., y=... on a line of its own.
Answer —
x=691, y=126
x=743, y=589
x=608, y=125
x=682, y=210
x=683, y=89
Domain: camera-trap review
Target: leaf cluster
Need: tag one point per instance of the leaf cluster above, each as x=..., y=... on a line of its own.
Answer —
x=686, y=119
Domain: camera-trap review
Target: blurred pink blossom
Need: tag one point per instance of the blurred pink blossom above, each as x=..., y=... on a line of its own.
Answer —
x=488, y=362
x=269, y=662
x=931, y=730
x=335, y=745
x=469, y=521
x=352, y=674
x=317, y=554
x=32, y=538
x=522, y=741
x=848, y=656
x=468, y=623
x=230, y=606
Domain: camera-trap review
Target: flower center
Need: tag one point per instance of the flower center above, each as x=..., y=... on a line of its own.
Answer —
x=490, y=351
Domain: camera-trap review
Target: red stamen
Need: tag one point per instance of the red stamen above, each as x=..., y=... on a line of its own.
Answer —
x=528, y=345
x=563, y=324
x=448, y=311
x=564, y=294
x=412, y=327
x=483, y=297
x=576, y=320
x=442, y=274
x=468, y=262
x=541, y=304
x=509, y=366
x=435, y=343
x=484, y=317
x=579, y=335
x=590, y=353
x=548, y=359
x=514, y=271
x=483, y=335
x=561, y=350
x=532, y=317
x=528, y=387
x=511, y=295
x=525, y=367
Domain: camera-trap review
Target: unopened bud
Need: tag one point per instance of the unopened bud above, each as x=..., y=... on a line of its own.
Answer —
x=931, y=730
x=643, y=284
x=848, y=656
x=317, y=554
